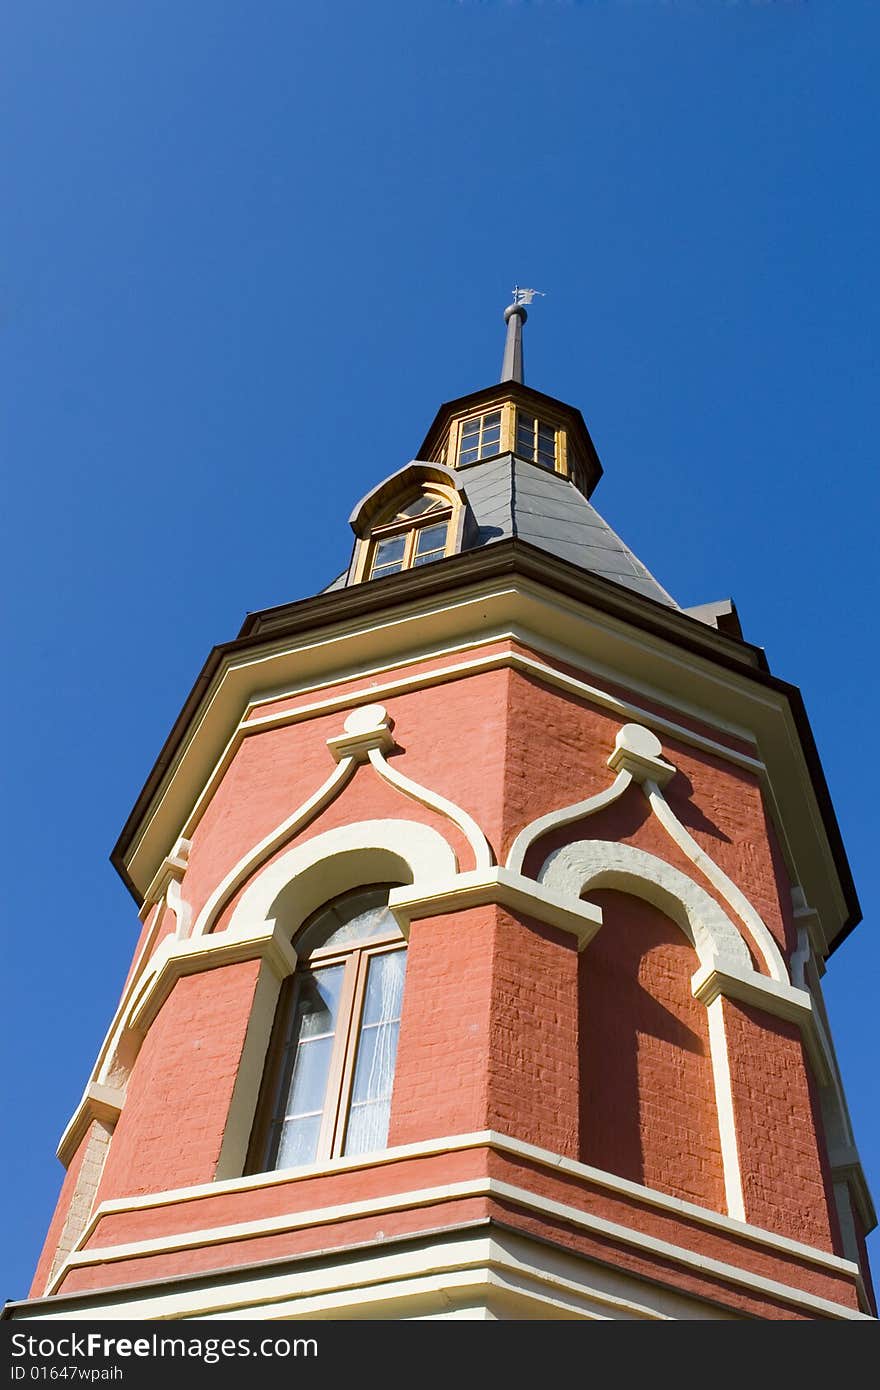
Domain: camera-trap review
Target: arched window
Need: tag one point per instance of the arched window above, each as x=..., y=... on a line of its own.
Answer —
x=330, y=1068
x=415, y=534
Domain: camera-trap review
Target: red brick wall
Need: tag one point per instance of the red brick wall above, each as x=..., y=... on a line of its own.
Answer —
x=488, y=1038
x=784, y=1186
x=171, y=1127
x=647, y=1095
x=501, y=1018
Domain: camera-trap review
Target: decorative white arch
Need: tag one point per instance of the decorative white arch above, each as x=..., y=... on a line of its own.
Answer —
x=371, y=851
x=585, y=864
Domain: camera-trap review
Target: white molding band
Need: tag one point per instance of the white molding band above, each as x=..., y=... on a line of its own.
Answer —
x=429, y=1277
x=528, y=665
x=457, y=1143
x=488, y=1188
x=501, y=887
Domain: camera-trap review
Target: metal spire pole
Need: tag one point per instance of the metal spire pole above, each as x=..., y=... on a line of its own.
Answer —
x=515, y=316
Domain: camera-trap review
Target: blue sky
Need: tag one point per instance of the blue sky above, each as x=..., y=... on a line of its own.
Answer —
x=248, y=248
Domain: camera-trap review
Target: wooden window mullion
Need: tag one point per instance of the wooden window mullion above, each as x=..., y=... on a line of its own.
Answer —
x=330, y=1118
x=345, y=1076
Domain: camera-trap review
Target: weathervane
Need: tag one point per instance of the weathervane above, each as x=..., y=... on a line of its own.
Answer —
x=525, y=296
x=515, y=316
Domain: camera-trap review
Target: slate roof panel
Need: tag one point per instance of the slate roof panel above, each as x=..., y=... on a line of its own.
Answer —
x=509, y=497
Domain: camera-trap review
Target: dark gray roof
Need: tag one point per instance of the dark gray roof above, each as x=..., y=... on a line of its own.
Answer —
x=511, y=498
x=508, y=497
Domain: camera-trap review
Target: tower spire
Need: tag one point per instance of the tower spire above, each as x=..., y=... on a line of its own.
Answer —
x=515, y=316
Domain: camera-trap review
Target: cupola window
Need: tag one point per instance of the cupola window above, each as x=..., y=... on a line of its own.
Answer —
x=329, y=1074
x=535, y=440
x=415, y=535
x=480, y=437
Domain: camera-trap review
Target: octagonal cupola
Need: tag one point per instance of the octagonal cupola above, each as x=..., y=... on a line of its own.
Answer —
x=512, y=418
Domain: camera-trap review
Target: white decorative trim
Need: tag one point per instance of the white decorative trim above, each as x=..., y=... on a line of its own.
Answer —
x=733, y=1189
x=807, y=917
x=737, y=900
x=326, y=865
x=174, y=959
x=267, y=846
x=799, y=958
x=502, y=887
x=367, y=736
x=180, y=908
x=464, y=1274
x=172, y=870
x=366, y=728
x=329, y=864
x=774, y=998
x=553, y=820
x=435, y=802
x=458, y=1143
x=489, y=1188
x=97, y=1103
x=526, y=665
x=250, y=724
x=784, y=1001
x=640, y=753
x=735, y=702
x=584, y=864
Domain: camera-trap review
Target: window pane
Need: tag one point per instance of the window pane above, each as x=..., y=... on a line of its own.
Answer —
x=430, y=538
x=303, y=1087
x=367, y=1127
x=387, y=552
x=525, y=442
x=305, y=1094
x=299, y=1142
x=384, y=988
x=492, y=420
x=420, y=505
x=470, y=427
x=468, y=455
x=358, y=916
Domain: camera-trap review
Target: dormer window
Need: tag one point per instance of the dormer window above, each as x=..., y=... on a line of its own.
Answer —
x=535, y=440
x=479, y=437
x=417, y=534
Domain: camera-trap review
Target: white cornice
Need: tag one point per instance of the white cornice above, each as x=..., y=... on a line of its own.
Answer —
x=502, y=887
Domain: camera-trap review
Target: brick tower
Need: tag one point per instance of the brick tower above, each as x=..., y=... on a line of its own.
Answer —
x=485, y=897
